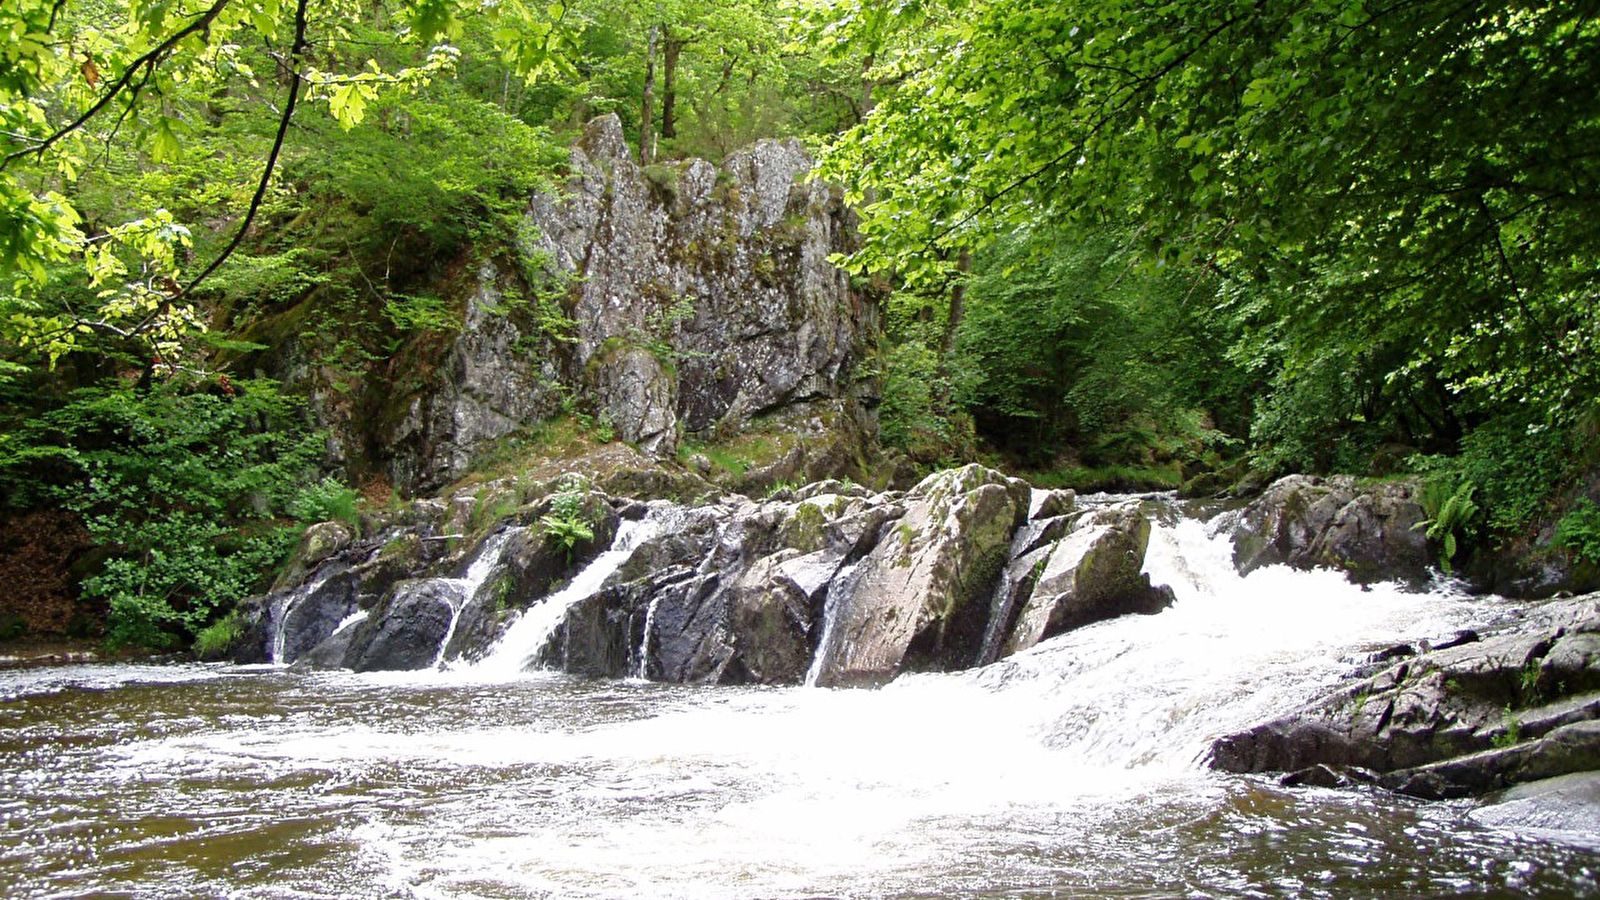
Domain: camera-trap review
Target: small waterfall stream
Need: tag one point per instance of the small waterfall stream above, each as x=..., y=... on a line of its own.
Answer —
x=286, y=605
x=465, y=588
x=521, y=643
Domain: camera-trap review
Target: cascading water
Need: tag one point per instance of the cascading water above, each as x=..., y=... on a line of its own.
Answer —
x=1156, y=690
x=521, y=643
x=1072, y=770
x=463, y=589
x=286, y=604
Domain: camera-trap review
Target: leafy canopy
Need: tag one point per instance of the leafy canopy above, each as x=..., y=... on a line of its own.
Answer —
x=1413, y=175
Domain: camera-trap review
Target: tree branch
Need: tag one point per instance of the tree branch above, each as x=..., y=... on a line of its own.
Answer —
x=295, y=81
x=150, y=58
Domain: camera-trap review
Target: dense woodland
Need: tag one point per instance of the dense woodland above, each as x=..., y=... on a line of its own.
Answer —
x=1128, y=245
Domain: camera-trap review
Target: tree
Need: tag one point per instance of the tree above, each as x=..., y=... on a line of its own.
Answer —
x=80, y=80
x=1415, y=181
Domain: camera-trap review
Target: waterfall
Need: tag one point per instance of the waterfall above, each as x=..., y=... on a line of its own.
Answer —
x=843, y=583
x=285, y=605
x=521, y=643
x=463, y=589
x=1232, y=651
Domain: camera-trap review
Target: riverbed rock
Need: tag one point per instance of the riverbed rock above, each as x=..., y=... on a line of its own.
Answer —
x=1519, y=705
x=1093, y=573
x=920, y=599
x=1368, y=531
x=1566, y=803
x=405, y=631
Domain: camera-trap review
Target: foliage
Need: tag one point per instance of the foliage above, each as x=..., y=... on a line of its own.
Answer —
x=1514, y=463
x=1071, y=341
x=1448, y=514
x=216, y=639
x=63, y=113
x=1413, y=182
x=324, y=501
x=1579, y=531
x=183, y=488
x=914, y=415
x=1511, y=730
x=567, y=524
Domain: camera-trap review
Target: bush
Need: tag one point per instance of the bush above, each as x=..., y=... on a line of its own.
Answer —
x=1579, y=531
x=324, y=501
x=185, y=490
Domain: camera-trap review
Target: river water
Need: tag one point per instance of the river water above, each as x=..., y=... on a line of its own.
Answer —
x=1073, y=770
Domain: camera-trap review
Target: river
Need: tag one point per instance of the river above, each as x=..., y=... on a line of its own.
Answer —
x=1073, y=770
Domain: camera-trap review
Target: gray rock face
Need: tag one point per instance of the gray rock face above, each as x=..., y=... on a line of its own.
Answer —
x=1364, y=530
x=1090, y=575
x=705, y=297
x=1480, y=716
x=487, y=385
x=670, y=301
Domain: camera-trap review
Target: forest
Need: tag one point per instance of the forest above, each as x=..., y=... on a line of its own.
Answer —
x=1120, y=245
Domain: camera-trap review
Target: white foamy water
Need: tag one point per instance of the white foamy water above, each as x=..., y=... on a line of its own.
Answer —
x=1069, y=771
x=520, y=645
x=1231, y=651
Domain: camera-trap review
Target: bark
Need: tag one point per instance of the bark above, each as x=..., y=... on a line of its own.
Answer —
x=671, y=46
x=647, y=112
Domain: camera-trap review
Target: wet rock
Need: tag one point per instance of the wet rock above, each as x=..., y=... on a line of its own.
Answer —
x=919, y=599
x=1516, y=705
x=1566, y=750
x=405, y=632
x=314, y=617
x=1367, y=531
x=1048, y=504
x=1565, y=803
x=1092, y=574
x=1326, y=776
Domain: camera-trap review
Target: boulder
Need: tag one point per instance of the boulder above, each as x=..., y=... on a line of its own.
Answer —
x=1367, y=531
x=919, y=600
x=317, y=543
x=406, y=630
x=1093, y=573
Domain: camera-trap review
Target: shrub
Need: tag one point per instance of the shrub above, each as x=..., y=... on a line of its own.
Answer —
x=1579, y=531
x=184, y=489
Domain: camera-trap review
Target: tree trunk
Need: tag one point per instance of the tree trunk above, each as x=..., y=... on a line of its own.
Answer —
x=958, y=304
x=671, y=46
x=647, y=112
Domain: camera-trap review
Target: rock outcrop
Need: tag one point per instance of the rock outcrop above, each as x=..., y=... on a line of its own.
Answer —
x=1472, y=717
x=1366, y=530
x=674, y=301
x=833, y=583
x=1092, y=574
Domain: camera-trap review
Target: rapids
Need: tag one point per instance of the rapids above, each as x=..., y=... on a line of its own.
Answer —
x=1075, y=769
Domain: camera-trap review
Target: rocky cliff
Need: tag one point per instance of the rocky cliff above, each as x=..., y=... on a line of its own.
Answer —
x=660, y=303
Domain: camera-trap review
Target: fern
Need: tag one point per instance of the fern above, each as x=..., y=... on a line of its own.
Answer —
x=1451, y=515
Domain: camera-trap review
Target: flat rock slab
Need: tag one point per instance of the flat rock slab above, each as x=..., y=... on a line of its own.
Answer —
x=1567, y=806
